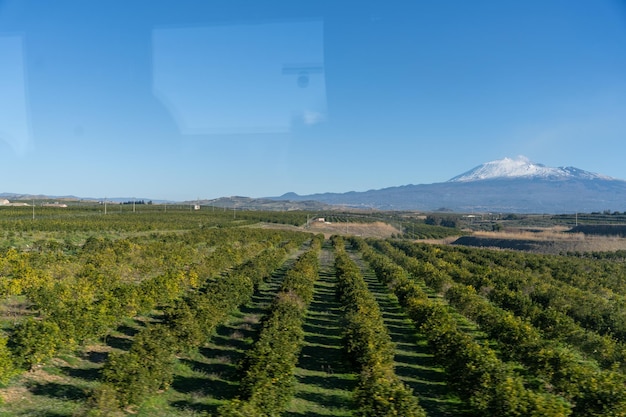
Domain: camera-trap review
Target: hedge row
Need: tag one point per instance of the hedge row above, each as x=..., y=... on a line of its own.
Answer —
x=94, y=299
x=593, y=392
x=507, y=289
x=558, y=326
x=193, y=318
x=268, y=382
x=596, y=309
x=368, y=344
x=147, y=367
x=487, y=384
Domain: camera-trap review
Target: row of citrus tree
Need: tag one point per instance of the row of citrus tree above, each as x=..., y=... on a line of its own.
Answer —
x=489, y=385
x=562, y=368
x=268, y=380
x=534, y=298
x=129, y=377
x=368, y=344
x=563, y=313
x=86, y=303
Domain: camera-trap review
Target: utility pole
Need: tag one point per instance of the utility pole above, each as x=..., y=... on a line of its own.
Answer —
x=33, y=209
x=105, y=206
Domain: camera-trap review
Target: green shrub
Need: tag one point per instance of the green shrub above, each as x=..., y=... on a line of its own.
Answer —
x=146, y=368
x=34, y=341
x=7, y=366
x=381, y=394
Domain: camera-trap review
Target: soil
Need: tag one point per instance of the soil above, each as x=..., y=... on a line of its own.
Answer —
x=375, y=229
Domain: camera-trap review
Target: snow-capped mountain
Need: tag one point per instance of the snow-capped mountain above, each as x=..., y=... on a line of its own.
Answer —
x=522, y=167
x=506, y=186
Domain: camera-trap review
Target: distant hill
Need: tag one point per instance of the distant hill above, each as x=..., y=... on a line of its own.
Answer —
x=16, y=196
x=247, y=203
x=70, y=198
x=507, y=185
x=238, y=202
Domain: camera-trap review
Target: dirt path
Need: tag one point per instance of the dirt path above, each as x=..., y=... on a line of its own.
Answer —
x=414, y=365
x=325, y=381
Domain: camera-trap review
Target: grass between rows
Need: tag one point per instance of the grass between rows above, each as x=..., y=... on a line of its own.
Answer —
x=325, y=380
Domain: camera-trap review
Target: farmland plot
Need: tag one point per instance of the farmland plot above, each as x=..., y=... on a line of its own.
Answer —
x=229, y=320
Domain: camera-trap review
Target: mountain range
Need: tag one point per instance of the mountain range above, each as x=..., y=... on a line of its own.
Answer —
x=511, y=185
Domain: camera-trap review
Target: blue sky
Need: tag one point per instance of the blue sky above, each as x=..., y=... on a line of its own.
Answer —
x=179, y=100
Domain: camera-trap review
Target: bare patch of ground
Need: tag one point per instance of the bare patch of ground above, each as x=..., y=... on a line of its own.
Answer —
x=373, y=229
x=14, y=394
x=278, y=226
x=444, y=241
x=20, y=393
x=40, y=375
x=14, y=308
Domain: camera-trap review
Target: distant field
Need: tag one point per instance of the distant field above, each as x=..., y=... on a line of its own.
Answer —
x=552, y=241
x=618, y=230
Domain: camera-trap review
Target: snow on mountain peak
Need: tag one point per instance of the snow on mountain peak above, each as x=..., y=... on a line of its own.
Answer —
x=522, y=167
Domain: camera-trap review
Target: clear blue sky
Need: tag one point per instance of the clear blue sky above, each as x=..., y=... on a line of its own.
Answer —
x=180, y=99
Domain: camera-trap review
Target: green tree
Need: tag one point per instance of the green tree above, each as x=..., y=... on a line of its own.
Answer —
x=146, y=368
x=34, y=341
x=7, y=367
